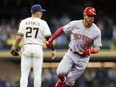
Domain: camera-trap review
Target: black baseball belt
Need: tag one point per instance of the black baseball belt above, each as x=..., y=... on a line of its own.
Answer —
x=77, y=53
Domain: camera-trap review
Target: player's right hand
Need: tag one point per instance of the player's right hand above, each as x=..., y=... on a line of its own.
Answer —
x=53, y=54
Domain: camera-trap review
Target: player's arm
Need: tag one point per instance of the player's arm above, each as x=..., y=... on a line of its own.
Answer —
x=96, y=45
x=53, y=54
x=14, y=49
x=58, y=32
x=20, y=33
x=52, y=47
x=18, y=39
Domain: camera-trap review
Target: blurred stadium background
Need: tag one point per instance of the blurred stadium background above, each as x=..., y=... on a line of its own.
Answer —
x=101, y=71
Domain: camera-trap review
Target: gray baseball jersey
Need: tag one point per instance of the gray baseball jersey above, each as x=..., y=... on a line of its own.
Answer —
x=73, y=65
x=81, y=37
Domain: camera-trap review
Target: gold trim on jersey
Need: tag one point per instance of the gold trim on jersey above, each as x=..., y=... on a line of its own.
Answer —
x=48, y=35
x=21, y=34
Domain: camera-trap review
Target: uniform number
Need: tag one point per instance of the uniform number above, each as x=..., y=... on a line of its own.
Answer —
x=29, y=31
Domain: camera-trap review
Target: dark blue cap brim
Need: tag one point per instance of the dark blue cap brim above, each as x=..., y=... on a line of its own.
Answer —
x=42, y=10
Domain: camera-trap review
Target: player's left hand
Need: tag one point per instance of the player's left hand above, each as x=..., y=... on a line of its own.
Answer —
x=53, y=54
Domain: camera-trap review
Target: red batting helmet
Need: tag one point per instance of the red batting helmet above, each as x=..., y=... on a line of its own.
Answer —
x=89, y=11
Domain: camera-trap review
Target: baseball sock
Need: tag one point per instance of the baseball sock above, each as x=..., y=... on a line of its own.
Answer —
x=62, y=78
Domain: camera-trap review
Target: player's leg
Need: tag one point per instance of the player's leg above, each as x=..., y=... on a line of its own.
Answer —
x=72, y=76
x=25, y=70
x=76, y=71
x=63, y=69
x=37, y=67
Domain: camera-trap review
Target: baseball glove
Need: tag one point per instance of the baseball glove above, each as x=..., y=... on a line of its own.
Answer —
x=15, y=51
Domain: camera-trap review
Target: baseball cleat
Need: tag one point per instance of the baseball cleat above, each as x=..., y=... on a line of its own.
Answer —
x=64, y=85
x=59, y=83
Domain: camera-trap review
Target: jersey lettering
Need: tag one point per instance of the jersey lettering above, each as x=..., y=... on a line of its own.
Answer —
x=77, y=36
x=87, y=40
x=29, y=31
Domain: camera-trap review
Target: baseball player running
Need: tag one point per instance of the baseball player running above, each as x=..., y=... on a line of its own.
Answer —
x=86, y=40
x=34, y=31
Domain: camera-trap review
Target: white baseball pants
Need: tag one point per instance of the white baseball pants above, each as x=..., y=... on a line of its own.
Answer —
x=32, y=56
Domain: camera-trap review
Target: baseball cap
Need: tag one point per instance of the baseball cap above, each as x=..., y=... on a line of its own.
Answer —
x=89, y=11
x=37, y=7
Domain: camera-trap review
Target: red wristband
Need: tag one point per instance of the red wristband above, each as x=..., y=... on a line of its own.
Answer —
x=89, y=51
x=92, y=51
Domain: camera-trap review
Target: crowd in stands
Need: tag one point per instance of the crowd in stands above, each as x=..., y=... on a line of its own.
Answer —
x=8, y=31
x=13, y=11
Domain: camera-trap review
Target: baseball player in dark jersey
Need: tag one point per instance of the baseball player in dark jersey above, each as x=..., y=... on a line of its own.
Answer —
x=85, y=40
